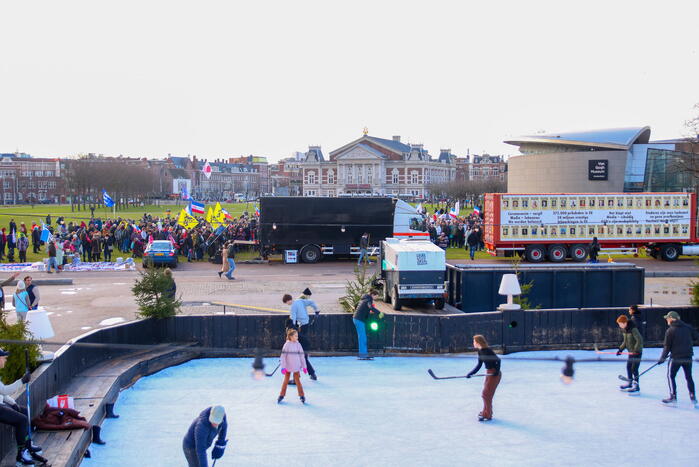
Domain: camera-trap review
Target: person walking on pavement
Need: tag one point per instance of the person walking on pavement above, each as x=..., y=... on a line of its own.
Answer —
x=364, y=249
x=224, y=259
x=2, y=292
x=52, y=257
x=633, y=342
x=678, y=345
x=473, y=240
x=361, y=314
x=492, y=379
x=298, y=316
x=231, y=261
x=210, y=423
x=594, y=250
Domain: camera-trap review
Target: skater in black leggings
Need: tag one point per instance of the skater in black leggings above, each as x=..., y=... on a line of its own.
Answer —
x=678, y=344
x=16, y=416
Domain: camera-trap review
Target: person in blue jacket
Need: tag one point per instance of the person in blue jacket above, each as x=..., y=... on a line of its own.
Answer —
x=209, y=424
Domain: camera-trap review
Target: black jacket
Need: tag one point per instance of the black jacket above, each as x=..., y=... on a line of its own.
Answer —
x=637, y=320
x=492, y=361
x=366, y=305
x=678, y=340
x=364, y=242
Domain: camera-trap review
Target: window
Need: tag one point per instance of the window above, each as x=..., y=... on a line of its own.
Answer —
x=413, y=177
x=39, y=173
x=331, y=177
x=369, y=175
x=394, y=176
x=49, y=173
x=311, y=178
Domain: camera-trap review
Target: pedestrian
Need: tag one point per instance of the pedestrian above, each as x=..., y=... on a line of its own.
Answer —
x=36, y=239
x=231, y=261
x=20, y=300
x=292, y=362
x=32, y=292
x=52, y=257
x=363, y=249
x=171, y=291
x=678, y=345
x=633, y=343
x=298, y=316
x=637, y=318
x=594, y=250
x=224, y=259
x=361, y=314
x=210, y=423
x=60, y=252
x=16, y=416
x=22, y=246
x=2, y=292
x=473, y=241
x=493, y=375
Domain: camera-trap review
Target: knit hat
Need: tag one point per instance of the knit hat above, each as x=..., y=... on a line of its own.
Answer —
x=622, y=319
x=4, y=353
x=673, y=315
x=307, y=291
x=21, y=285
x=216, y=415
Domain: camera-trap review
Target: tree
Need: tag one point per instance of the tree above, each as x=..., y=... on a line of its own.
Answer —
x=685, y=167
x=15, y=366
x=153, y=295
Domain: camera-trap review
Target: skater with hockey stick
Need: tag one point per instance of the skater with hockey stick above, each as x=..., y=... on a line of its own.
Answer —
x=210, y=423
x=361, y=315
x=678, y=344
x=493, y=375
x=292, y=362
x=15, y=415
x=633, y=342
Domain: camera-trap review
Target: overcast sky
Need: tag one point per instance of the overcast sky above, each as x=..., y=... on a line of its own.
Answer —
x=225, y=78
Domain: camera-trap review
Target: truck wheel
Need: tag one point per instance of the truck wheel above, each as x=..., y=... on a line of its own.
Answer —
x=310, y=254
x=578, y=253
x=557, y=253
x=534, y=253
x=395, y=300
x=439, y=303
x=670, y=252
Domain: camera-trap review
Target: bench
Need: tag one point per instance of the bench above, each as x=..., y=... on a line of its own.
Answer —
x=95, y=390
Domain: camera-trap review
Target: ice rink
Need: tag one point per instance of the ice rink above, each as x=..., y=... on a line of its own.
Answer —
x=390, y=412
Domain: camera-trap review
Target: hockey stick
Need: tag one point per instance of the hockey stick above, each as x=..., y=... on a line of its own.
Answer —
x=273, y=371
x=624, y=378
x=450, y=377
x=29, y=403
x=598, y=351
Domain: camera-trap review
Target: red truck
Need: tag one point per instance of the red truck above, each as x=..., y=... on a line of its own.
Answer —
x=557, y=226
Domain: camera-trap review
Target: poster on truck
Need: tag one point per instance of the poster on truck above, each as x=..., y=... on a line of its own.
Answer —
x=622, y=216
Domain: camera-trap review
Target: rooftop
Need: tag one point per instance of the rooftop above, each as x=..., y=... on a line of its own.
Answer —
x=610, y=138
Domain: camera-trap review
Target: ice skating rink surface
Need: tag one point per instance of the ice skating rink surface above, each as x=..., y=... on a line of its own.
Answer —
x=390, y=412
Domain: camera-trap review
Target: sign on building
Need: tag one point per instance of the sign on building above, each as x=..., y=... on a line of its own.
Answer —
x=598, y=169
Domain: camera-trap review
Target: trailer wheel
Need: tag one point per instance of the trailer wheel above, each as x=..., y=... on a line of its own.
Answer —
x=534, y=253
x=578, y=252
x=669, y=252
x=439, y=303
x=397, y=305
x=557, y=253
x=310, y=254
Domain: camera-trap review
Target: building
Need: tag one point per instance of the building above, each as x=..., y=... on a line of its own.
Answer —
x=608, y=160
x=247, y=176
x=483, y=167
x=27, y=179
x=286, y=177
x=378, y=166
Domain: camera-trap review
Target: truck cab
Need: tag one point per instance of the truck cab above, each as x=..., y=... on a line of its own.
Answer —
x=412, y=270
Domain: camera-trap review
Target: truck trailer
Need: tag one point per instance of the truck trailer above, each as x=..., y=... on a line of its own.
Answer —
x=318, y=227
x=559, y=226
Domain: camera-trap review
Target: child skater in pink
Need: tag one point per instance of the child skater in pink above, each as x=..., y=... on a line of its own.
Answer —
x=292, y=362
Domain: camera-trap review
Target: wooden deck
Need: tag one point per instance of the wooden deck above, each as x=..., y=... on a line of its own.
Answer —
x=92, y=390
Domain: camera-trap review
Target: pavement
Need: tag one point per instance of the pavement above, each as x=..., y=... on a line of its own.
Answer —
x=98, y=299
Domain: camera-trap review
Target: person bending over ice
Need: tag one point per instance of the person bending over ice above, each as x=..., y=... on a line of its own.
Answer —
x=209, y=424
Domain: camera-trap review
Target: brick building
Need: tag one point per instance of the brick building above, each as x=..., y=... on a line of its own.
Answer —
x=483, y=167
x=27, y=179
x=286, y=177
x=371, y=165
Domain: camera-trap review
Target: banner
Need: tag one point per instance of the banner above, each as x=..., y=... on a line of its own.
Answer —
x=187, y=221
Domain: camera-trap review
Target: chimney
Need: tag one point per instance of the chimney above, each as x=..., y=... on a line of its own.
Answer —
x=396, y=138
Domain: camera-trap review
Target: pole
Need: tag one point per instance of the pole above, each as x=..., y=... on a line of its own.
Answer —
x=29, y=400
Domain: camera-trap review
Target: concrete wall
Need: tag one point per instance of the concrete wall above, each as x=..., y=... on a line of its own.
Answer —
x=564, y=172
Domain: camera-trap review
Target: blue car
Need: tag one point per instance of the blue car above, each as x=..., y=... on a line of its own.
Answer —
x=160, y=252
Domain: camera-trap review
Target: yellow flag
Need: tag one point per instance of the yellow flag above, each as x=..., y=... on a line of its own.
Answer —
x=217, y=210
x=209, y=216
x=187, y=221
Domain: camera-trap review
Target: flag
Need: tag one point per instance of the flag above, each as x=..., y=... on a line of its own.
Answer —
x=197, y=207
x=108, y=201
x=185, y=193
x=188, y=209
x=418, y=208
x=135, y=228
x=454, y=212
x=257, y=212
x=209, y=215
x=187, y=221
x=207, y=170
x=218, y=214
x=226, y=214
x=45, y=233
x=476, y=210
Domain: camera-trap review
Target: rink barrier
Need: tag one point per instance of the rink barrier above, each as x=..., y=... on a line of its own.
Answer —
x=553, y=286
x=335, y=334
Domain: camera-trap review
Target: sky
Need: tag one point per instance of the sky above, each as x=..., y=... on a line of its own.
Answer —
x=227, y=78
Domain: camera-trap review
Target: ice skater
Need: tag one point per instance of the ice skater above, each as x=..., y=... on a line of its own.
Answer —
x=633, y=343
x=201, y=433
x=678, y=344
x=361, y=314
x=298, y=316
x=292, y=362
x=493, y=375
x=16, y=416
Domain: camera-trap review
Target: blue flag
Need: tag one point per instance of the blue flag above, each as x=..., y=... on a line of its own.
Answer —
x=108, y=201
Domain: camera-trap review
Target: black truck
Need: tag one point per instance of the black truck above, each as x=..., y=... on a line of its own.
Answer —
x=316, y=227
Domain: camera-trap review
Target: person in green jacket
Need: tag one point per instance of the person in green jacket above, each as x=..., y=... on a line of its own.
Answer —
x=633, y=343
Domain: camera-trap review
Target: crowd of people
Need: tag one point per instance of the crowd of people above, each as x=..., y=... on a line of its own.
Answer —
x=97, y=239
x=447, y=231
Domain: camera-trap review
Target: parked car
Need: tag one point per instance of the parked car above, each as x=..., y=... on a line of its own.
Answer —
x=160, y=252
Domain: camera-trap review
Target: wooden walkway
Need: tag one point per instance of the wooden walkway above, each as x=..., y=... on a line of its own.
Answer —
x=92, y=390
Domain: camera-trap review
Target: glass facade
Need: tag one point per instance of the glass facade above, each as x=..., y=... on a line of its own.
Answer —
x=667, y=171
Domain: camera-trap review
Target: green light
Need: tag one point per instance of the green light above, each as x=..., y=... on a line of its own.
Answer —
x=374, y=326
